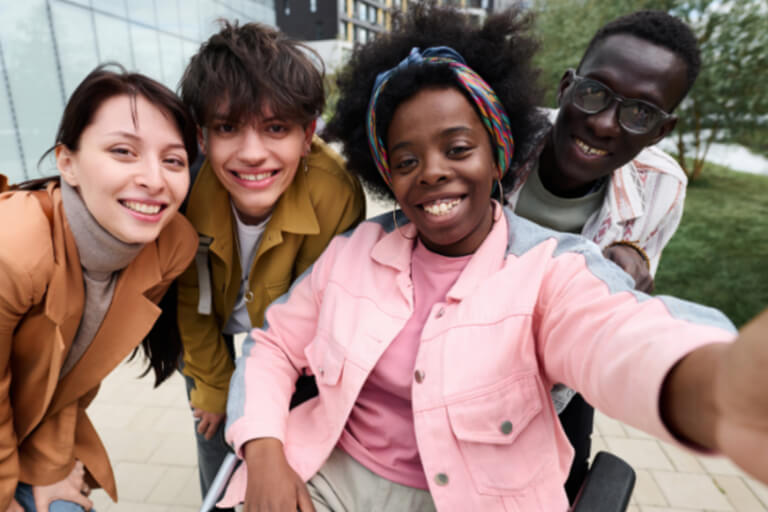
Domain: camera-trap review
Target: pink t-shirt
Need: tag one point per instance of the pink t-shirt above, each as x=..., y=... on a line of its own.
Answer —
x=379, y=433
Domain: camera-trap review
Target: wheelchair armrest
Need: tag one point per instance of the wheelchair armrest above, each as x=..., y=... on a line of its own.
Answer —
x=228, y=466
x=607, y=487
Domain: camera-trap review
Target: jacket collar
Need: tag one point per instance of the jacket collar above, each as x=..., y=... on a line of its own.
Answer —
x=395, y=250
x=63, y=306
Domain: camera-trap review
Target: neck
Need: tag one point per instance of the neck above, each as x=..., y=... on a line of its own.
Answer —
x=553, y=178
x=99, y=251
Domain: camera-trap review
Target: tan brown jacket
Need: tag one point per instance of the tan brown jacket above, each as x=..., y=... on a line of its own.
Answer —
x=43, y=424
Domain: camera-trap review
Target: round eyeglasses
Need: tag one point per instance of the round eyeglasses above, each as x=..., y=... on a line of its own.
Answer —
x=635, y=116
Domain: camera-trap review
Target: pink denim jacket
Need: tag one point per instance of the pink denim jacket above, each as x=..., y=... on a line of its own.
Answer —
x=532, y=308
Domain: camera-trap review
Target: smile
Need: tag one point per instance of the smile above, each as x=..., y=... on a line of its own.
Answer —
x=441, y=206
x=254, y=176
x=145, y=208
x=589, y=150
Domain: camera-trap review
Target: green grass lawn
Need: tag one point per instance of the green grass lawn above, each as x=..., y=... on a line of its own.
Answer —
x=719, y=255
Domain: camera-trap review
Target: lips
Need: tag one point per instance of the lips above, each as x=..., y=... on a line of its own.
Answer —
x=441, y=207
x=589, y=150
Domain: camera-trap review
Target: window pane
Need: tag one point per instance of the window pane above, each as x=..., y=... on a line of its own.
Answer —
x=31, y=66
x=73, y=29
x=114, y=41
x=147, y=52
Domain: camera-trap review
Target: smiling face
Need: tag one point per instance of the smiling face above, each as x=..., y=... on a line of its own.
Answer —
x=442, y=170
x=132, y=177
x=585, y=147
x=256, y=161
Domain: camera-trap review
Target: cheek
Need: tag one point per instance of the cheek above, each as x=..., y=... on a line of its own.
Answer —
x=178, y=185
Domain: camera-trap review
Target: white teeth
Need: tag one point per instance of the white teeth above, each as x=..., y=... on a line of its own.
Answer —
x=254, y=177
x=589, y=149
x=149, y=209
x=441, y=206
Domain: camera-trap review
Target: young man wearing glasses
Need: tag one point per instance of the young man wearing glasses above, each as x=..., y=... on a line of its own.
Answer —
x=596, y=172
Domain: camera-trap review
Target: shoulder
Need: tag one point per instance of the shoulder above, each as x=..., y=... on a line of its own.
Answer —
x=560, y=248
x=25, y=230
x=652, y=161
x=326, y=171
x=176, y=245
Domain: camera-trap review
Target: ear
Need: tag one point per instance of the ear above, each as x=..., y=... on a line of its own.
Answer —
x=565, y=82
x=65, y=161
x=664, y=130
x=201, y=139
x=309, y=132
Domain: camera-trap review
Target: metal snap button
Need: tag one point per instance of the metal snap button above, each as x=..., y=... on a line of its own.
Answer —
x=441, y=479
x=506, y=427
x=418, y=376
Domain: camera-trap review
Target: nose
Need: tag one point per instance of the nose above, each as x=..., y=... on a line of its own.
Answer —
x=252, y=150
x=434, y=171
x=605, y=124
x=150, y=177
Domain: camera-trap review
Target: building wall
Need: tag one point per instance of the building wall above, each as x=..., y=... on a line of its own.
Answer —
x=48, y=46
x=308, y=20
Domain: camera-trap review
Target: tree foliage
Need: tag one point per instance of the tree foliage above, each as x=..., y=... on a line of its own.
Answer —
x=729, y=101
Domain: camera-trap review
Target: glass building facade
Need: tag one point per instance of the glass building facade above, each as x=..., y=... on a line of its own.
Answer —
x=48, y=46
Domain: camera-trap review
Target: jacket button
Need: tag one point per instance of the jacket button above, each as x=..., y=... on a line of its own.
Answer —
x=441, y=479
x=418, y=376
x=506, y=427
x=440, y=312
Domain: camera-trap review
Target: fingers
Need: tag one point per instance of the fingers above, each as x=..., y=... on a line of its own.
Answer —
x=303, y=499
x=85, y=490
x=81, y=500
x=14, y=506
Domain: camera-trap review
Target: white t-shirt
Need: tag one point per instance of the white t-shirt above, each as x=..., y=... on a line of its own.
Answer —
x=248, y=238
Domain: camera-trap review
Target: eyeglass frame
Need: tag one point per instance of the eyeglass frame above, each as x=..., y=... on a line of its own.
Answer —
x=618, y=98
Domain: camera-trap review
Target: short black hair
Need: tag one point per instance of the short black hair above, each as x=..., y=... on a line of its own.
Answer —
x=661, y=29
x=243, y=68
x=500, y=51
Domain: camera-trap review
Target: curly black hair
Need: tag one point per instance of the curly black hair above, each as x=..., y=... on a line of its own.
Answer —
x=500, y=51
x=661, y=29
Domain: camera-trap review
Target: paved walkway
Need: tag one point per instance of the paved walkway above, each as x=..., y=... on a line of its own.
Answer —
x=148, y=434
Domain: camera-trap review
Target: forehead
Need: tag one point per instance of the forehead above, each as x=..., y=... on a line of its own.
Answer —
x=134, y=115
x=432, y=110
x=636, y=68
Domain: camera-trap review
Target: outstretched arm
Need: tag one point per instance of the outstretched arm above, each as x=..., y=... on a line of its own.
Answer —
x=716, y=398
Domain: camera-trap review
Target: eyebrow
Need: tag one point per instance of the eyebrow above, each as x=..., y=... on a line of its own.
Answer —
x=445, y=133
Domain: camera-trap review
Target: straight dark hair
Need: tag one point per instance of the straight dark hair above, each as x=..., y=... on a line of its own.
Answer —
x=162, y=353
x=102, y=84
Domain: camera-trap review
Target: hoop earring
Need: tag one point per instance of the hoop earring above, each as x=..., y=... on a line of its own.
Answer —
x=394, y=219
x=501, y=198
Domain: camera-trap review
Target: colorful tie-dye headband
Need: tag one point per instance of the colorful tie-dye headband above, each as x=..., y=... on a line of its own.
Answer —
x=491, y=110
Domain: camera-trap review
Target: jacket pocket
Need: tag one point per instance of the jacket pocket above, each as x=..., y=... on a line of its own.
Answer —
x=326, y=360
x=503, y=436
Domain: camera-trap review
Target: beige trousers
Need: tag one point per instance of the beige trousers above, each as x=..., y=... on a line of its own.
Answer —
x=345, y=485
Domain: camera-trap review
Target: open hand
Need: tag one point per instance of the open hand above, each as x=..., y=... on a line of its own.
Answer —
x=73, y=488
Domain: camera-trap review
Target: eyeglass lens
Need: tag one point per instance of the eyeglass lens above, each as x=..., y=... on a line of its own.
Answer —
x=634, y=116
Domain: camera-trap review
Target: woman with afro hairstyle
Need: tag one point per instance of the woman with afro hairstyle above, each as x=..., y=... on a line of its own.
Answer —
x=436, y=332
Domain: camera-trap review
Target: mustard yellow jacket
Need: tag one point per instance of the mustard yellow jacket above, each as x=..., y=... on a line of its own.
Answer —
x=43, y=423
x=319, y=204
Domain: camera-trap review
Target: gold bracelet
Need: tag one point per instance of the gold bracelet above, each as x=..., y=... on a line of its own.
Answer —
x=636, y=247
